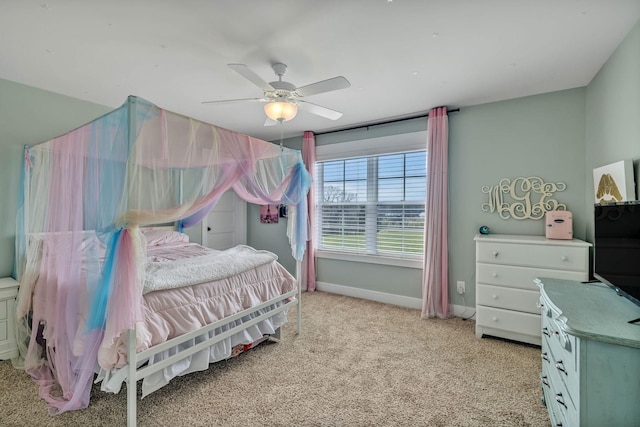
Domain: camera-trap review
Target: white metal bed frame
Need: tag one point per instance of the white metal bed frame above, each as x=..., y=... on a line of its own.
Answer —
x=134, y=374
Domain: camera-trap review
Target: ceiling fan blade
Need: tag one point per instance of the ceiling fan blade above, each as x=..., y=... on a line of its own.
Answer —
x=245, y=72
x=319, y=110
x=323, y=86
x=232, y=101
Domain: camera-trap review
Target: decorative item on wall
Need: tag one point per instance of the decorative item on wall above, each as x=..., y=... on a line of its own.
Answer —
x=269, y=214
x=523, y=198
x=614, y=182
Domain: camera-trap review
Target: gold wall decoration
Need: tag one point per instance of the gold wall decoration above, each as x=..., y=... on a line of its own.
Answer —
x=614, y=182
x=523, y=198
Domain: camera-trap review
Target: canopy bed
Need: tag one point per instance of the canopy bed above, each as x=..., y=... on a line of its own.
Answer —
x=104, y=290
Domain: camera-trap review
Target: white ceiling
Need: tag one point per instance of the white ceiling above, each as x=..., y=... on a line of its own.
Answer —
x=402, y=57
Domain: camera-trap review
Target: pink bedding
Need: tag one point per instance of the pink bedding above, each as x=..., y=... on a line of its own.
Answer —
x=173, y=312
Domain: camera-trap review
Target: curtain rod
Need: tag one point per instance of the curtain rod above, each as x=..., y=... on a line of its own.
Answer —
x=455, y=110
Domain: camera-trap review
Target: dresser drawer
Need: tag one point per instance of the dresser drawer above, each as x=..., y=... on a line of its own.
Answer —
x=561, y=409
x=507, y=320
x=557, y=416
x=564, y=411
x=532, y=255
x=521, y=277
x=565, y=399
x=508, y=298
x=561, y=345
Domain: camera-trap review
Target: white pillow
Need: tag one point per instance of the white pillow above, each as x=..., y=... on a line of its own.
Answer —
x=162, y=237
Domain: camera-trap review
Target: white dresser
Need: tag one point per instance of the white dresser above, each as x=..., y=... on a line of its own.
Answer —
x=590, y=355
x=8, y=293
x=506, y=266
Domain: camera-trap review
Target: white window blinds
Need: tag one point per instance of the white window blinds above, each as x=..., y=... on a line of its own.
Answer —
x=372, y=205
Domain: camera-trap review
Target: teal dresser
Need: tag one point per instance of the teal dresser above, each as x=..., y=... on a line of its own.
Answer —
x=590, y=355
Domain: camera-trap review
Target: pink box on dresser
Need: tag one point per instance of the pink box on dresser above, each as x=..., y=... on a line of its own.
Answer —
x=559, y=225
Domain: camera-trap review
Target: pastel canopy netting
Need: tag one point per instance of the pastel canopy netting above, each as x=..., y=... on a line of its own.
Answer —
x=80, y=253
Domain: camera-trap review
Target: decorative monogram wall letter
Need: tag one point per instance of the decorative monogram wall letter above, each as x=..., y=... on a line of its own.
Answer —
x=526, y=198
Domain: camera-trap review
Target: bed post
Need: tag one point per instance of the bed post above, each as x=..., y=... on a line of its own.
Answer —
x=132, y=365
x=132, y=383
x=299, y=280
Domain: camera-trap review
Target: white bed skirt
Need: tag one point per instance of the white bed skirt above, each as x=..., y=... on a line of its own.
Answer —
x=113, y=379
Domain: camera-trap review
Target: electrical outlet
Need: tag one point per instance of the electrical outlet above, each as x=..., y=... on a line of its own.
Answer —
x=461, y=288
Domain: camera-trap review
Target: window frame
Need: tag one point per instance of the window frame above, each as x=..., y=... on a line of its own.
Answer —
x=384, y=145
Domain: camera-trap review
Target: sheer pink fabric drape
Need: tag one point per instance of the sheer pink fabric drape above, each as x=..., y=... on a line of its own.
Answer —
x=309, y=260
x=435, y=280
x=86, y=193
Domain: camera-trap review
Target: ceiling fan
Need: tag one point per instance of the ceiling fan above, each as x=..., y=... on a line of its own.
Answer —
x=284, y=98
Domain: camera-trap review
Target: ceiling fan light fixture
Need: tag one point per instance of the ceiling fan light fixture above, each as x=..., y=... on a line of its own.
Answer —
x=281, y=110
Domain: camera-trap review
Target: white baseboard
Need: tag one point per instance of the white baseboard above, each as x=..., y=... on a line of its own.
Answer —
x=403, y=301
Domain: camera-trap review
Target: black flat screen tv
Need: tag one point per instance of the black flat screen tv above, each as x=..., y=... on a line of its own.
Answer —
x=616, y=247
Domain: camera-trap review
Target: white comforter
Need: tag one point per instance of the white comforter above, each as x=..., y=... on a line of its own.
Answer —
x=205, y=268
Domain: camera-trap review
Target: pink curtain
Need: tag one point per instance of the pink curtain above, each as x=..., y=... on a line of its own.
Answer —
x=435, y=280
x=309, y=260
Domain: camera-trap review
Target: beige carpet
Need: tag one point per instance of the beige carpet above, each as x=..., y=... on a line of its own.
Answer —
x=356, y=363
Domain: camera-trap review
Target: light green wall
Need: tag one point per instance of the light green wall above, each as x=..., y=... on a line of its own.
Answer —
x=613, y=114
x=272, y=237
x=540, y=135
x=28, y=116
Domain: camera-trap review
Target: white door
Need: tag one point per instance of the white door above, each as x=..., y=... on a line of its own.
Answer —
x=226, y=225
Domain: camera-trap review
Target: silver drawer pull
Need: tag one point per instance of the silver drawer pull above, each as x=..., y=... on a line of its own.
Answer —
x=545, y=356
x=564, y=258
x=560, y=367
x=539, y=305
x=495, y=275
x=494, y=296
x=545, y=381
x=495, y=254
x=560, y=400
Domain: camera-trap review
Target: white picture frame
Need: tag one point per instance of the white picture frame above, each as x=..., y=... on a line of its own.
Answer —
x=614, y=182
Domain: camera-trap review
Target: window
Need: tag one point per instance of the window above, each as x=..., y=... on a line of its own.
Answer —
x=372, y=205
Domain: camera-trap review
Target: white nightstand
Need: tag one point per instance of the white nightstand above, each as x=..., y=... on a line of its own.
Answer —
x=8, y=293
